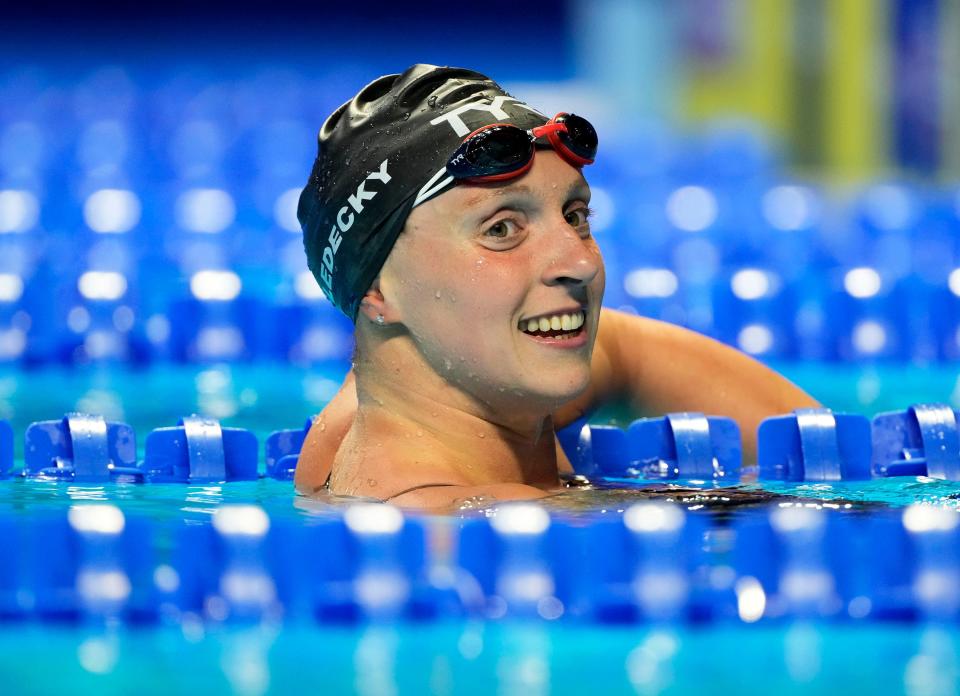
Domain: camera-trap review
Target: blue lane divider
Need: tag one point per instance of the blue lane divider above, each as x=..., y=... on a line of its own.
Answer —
x=935, y=537
x=592, y=569
x=200, y=450
x=601, y=451
x=655, y=563
x=233, y=568
x=814, y=445
x=282, y=451
x=685, y=445
x=523, y=563
x=6, y=448
x=784, y=565
x=679, y=445
x=508, y=560
x=802, y=562
x=247, y=567
x=80, y=447
x=920, y=441
x=667, y=556
x=92, y=563
x=873, y=566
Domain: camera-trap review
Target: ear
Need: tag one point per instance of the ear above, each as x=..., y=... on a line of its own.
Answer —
x=374, y=305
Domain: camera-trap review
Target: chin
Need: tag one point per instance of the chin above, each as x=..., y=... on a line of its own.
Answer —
x=550, y=394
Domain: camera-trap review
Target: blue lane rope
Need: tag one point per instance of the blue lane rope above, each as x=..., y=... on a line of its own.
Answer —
x=204, y=449
x=652, y=564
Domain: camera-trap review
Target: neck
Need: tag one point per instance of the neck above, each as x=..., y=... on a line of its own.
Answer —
x=415, y=426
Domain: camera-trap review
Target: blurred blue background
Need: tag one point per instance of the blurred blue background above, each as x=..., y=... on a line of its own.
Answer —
x=779, y=174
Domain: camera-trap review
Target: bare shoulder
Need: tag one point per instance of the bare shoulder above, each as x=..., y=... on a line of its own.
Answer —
x=444, y=498
x=313, y=466
x=324, y=438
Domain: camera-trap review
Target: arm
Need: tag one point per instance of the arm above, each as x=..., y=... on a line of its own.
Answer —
x=661, y=368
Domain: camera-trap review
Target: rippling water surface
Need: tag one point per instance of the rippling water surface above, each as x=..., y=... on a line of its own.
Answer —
x=264, y=398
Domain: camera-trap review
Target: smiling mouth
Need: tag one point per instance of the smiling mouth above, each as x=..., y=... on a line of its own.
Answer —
x=555, y=326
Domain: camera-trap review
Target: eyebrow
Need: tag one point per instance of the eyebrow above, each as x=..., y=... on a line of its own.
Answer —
x=578, y=189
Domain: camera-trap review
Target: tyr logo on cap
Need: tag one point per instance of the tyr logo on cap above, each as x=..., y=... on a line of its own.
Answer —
x=494, y=106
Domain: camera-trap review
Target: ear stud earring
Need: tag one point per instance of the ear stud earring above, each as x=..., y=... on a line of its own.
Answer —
x=380, y=319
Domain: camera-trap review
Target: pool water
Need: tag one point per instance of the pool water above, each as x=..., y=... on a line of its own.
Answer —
x=476, y=658
x=268, y=397
x=461, y=656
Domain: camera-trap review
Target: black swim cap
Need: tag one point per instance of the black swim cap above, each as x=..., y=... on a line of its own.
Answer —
x=381, y=154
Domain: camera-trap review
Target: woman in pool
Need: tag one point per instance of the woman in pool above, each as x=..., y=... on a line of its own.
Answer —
x=451, y=222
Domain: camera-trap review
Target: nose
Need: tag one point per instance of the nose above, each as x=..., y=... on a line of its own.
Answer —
x=573, y=260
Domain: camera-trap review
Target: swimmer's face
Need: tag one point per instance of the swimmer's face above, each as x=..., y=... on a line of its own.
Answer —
x=499, y=285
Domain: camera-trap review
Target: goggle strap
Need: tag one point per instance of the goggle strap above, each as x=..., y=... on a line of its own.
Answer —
x=548, y=129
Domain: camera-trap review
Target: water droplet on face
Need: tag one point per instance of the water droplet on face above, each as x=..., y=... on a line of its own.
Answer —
x=481, y=435
x=419, y=433
x=436, y=295
x=447, y=365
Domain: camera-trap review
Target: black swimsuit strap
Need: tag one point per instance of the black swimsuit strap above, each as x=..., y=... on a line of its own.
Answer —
x=326, y=486
x=417, y=488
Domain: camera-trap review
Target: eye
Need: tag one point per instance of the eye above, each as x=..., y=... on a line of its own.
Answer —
x=502, y=229
x=579, y=219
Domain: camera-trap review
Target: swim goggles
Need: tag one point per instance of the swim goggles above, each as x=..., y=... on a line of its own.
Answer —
x=501, y=151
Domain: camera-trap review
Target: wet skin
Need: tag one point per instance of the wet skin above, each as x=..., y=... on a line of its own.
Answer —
x=450, y=389
x=476, y=263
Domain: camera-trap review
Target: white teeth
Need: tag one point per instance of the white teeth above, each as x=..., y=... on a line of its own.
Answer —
x=557, y=322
